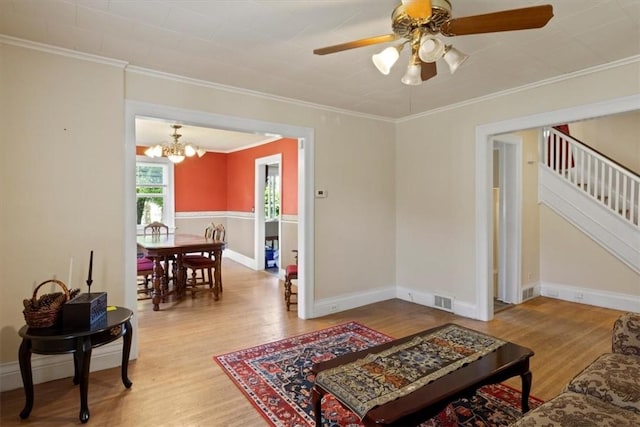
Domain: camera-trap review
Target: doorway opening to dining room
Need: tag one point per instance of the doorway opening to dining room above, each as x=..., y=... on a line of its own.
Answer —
x=304, y=154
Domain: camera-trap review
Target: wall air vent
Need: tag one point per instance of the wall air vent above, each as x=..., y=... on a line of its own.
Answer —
x=444, y=303
x=527, y=293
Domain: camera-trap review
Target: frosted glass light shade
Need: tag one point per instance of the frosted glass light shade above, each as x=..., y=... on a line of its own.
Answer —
x=431, y=49
x=153, y=151
x=175, y=158
x=454, y=58
x=385, y=59
x=189, y=150
x=412, y=76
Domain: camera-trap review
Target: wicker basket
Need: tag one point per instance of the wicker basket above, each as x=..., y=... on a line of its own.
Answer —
x=46, y=311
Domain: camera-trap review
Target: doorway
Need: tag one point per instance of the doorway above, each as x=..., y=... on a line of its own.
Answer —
x=268, y=178
x=484, y=178
x=507, y=224
x=305, y=235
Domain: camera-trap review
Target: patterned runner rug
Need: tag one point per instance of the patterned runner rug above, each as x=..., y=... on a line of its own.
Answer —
x=276, y=378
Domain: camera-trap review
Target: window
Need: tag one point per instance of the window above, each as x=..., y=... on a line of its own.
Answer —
x=154, y=191
x=272, y=197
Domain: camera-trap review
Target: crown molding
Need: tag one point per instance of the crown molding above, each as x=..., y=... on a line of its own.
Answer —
x=28, y=44
x=585, y=72
x=14, y=41
x=242, y=91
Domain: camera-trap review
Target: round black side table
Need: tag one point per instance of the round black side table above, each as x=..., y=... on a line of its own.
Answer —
x=80, y=342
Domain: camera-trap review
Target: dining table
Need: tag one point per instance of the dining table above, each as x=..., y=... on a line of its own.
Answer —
x=159, y=247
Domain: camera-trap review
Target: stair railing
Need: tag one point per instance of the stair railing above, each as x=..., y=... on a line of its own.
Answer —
x=605, y=181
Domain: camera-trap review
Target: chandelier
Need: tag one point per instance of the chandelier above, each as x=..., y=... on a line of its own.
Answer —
x=175, y=151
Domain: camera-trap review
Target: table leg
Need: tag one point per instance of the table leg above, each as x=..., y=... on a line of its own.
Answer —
x=181, y=279
x=24, y=356
x=76, y=368
x=84, y=359
x=316, y=402
x=157, y=277
x=526, y=389
x=126, y=350
x=217, y=274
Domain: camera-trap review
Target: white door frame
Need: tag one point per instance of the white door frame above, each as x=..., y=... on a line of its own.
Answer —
x=510, y=217
x=484, y=180
x=259, y=226
x=305, y=136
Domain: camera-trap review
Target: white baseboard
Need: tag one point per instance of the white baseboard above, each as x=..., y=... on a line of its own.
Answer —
x=240, y=259
x=49, y=368
x=334, y=305
x=459, y=308
x=598, y=298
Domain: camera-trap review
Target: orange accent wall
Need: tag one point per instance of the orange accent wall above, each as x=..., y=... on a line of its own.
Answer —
x=201, y=183
x=241, y=175
x=225, y=182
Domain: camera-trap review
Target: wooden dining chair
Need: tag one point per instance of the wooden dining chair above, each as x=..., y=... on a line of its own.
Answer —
x=157, y=229
x=145, y=270
x=290, y=273
x=202, y=265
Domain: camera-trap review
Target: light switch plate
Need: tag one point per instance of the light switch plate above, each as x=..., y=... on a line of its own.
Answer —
x=321, y=194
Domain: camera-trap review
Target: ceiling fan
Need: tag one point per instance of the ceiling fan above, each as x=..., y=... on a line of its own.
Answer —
x=417, y=22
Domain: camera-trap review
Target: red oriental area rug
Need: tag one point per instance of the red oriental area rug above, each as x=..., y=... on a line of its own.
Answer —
x=276, y=378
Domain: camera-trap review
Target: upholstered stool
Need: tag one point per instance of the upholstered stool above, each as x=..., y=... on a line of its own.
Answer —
x=290, y=273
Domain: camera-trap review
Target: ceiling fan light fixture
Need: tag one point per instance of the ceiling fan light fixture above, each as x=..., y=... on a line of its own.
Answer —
x=431, y=48
x=454, y=58
x=386, y=59
x=412, y=76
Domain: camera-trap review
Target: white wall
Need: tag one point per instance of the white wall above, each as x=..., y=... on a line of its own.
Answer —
x=530, y=271
x=61, y=187
x=568, y=257
x=436, y=171
x=616, y=136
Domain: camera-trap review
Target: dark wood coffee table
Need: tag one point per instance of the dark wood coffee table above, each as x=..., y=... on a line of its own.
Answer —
x=507, y=361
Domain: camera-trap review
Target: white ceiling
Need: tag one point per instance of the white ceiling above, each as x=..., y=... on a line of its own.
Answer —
x=266, y=45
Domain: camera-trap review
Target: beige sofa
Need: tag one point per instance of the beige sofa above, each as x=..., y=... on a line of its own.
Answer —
x=606, y=393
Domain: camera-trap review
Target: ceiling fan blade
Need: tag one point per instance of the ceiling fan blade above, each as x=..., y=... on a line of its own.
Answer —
x=506, y=20
x=417, y=9
x=427, y=70
x=354, y=44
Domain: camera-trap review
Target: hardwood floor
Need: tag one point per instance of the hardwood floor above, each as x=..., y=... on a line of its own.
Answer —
x=177, y=383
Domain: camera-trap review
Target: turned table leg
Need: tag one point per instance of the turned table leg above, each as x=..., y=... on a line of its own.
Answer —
x=217, y=274
x=158, y=278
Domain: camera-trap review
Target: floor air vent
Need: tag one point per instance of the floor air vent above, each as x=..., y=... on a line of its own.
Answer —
x=527, y=293
x=444, y=303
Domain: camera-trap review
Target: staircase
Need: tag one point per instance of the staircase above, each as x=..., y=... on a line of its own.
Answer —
x=593, y=193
